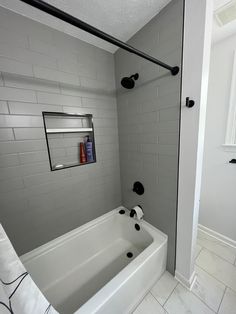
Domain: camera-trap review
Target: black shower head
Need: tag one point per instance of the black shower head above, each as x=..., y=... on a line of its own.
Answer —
x=129, y=82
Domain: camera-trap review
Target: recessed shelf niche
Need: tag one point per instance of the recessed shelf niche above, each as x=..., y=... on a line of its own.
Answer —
x=64, y=133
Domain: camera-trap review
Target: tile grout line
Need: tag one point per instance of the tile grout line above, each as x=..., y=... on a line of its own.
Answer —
x=14, y=134
x=218, y=257
x=203, y=247
x=167, y=297
x=235, y=260
x=217, y=279
x=157, y=300
x=170, y=295
x=140, y=302
x=56, y=68
x=58, y=92
x=222, y=299
x=1, y=77
x=191, y=291
x=198, y=253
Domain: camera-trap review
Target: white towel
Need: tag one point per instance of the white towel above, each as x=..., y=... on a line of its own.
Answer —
x=18, y=292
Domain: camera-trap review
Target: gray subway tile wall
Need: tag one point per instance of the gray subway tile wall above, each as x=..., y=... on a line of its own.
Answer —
x=44, y=70
x=148, y=120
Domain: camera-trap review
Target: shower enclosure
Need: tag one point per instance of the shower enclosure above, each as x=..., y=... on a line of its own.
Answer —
x=134, y=98
x=149, y=115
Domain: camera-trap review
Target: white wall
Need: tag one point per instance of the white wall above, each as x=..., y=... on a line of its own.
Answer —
x=218, y=197
x=196, y=59
x=45, y=70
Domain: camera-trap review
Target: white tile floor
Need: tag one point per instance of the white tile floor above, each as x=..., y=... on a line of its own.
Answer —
x=214, y=290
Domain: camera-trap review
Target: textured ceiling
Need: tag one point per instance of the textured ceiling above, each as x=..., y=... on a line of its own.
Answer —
x=119, y=18
x=221, y=32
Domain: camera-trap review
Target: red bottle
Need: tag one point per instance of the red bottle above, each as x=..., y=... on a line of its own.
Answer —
x=82, y=153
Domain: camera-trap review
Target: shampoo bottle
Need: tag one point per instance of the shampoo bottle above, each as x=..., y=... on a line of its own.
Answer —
x=89, y=149
x=82, y=153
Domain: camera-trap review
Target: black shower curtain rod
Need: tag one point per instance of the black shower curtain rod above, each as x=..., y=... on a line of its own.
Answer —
x=43, y=6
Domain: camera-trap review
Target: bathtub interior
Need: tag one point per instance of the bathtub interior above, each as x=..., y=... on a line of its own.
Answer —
x=69, y=272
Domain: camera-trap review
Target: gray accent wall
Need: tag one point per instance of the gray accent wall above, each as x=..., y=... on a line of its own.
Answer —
x=148, y=124
x=42, y=69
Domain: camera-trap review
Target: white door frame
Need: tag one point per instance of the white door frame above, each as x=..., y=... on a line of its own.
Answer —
x=196, y=60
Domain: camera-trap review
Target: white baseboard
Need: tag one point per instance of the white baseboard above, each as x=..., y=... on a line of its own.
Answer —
x=187, y=283
x=220, y=237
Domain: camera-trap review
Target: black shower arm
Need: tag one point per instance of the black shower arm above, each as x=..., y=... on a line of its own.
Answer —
x=43, y=6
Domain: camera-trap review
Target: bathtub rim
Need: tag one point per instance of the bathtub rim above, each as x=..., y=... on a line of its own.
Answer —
x=54, y=243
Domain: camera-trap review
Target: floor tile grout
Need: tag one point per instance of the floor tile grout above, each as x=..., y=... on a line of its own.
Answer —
x=211, y=275
x=193, y=294
x=222, y=299
x=198, y=254
x=218, y=256
x=141, y=301
x=202, y=301
x=167, y=297
x=191, y=291
x=224, y=286
x=217, y=278
x=170, y=296
x=203, y=247
x=158, y=301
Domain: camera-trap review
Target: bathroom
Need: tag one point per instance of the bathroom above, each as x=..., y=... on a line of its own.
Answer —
x=102, y=125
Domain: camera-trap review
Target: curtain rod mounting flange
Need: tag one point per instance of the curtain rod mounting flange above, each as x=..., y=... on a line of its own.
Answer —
x=175, y=70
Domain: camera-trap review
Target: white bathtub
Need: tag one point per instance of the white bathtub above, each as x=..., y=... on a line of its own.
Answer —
x=87, y=270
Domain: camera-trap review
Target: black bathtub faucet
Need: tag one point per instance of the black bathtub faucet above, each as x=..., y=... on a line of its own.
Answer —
x=132, y=213
x=137, y=211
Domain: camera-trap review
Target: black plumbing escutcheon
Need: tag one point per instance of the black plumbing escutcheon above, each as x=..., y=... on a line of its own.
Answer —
x=138, y=188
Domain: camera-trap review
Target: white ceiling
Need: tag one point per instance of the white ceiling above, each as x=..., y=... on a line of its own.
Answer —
x=119, y=18
x=221, y=32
